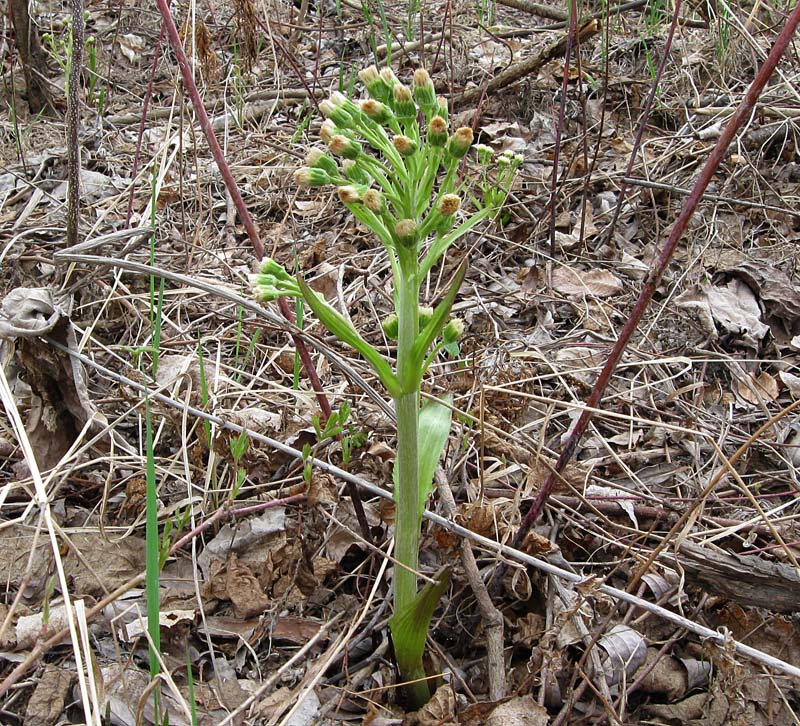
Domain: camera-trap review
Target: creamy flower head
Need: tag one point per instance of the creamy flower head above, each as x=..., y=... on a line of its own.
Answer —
x=374, y=201
x=449, y=204
x=421, y=77
x=388, y=77
x=348, y=194
x=368, y=75
x=327, y=131
x=402, y=93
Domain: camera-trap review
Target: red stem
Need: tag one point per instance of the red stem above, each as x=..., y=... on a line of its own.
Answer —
x=741, y=114
x=233, y=190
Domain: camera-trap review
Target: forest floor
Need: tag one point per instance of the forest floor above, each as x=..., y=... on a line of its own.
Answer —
x=683, y=492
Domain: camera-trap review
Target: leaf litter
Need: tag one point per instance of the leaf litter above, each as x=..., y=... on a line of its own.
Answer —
x=714, y=371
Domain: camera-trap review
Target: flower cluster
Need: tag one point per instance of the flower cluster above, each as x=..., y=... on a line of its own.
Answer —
x=397, y=166
x=397, y=192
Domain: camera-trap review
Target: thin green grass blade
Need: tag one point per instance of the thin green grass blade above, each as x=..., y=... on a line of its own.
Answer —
x=152, y=545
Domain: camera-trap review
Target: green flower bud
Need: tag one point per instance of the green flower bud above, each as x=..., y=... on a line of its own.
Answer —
x=272, y=281
x=459, y=143
x=403, y=102
x=442, y=107
x=437, y=132
x=308, y=176
x=425, y=314
x=269, y=266
x=354, y=172
x=405, y=232
x=327, y=131
x=390, y=327
x=388, y=77
x=342, y=101
x=442, y=217
x=375, y=85
x=336, y=113
x=349, y=194
x=318, y=159
x=379, y=112
x=343, y=146
x=405, y=146
x=485, y=153
x=374, y=201
x=453, y=331
x=424, y=92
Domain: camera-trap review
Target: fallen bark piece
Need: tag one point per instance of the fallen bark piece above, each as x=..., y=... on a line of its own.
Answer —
x=746, y=579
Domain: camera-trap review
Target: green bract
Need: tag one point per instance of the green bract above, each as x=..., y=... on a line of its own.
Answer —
x=405, y=175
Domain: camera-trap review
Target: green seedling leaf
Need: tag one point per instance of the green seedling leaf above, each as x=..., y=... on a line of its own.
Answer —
x=409, y=630
x=439, y=318
x=239, y=445
x=337, y=324
x=434, y=430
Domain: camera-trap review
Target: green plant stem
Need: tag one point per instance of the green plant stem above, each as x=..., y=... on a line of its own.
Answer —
x=407, y=495
x=406, y=501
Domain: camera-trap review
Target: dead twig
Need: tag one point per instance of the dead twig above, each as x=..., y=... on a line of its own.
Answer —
x=525, y=68
x=492, y=617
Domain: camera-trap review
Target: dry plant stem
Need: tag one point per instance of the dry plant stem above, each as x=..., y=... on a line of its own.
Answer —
x=657, y=270
x=142, y=120
x=645, y=566
x=233, y=190
x=623, y=190
x=544, y=11
x=562, y=110
x=492, y=617
x=633, y=181
x=73, y=122
x=525, y=68
x=298, y=657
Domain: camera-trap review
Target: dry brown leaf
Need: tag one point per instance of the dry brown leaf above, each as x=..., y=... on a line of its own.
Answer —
x=757, y=390
x=581, y=283
x=47, y=702
x=244, y=590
